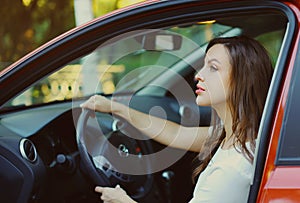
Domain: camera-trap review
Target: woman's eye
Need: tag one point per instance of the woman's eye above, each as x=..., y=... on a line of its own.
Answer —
x=213, y=68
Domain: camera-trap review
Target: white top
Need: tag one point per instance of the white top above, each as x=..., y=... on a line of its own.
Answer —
x=226, y=179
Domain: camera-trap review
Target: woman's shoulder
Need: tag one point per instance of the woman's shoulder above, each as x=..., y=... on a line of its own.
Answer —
x=232, y=160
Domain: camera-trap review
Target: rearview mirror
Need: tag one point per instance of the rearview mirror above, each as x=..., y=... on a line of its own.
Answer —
x=162, y=42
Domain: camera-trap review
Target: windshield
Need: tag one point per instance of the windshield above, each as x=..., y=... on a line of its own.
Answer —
x=123, y=64
x=132, y=61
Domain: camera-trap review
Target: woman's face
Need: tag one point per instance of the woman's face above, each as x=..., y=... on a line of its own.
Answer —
x=213, y=78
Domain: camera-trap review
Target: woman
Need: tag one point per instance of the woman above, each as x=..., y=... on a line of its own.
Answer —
x=234, y=81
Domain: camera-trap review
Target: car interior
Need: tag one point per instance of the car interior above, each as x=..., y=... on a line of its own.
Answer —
x=53, y=151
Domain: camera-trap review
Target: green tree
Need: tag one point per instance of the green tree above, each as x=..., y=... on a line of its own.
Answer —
x=101, y=7
x=26, y=24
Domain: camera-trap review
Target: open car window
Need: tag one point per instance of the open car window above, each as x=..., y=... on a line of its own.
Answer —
x=130, y=62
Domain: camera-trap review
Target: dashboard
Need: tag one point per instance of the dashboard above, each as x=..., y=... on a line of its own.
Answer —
x=39, y=158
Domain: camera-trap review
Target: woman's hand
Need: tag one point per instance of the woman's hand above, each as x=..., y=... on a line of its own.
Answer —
x=114, y=195
x=98, y=103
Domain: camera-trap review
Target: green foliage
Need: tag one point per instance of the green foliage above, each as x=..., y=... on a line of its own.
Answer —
x=27, y=24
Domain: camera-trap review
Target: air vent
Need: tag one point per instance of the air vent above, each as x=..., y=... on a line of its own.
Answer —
x=28, y=150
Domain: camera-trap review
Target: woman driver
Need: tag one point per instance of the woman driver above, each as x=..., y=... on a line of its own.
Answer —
x=234, y=81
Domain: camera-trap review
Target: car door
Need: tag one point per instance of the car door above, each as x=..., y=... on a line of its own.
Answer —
x=279, y=180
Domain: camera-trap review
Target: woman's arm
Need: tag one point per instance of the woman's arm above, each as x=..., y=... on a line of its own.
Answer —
x=166, y=132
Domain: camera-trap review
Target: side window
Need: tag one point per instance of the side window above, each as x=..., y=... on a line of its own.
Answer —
x=272, y=41
x=289, y=144
x=131, y=61
x=125, y=64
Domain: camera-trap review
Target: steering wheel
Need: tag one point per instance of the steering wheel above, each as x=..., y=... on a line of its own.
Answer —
x=114, y=158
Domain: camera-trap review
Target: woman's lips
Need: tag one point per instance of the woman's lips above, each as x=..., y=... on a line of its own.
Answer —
x=199, y=89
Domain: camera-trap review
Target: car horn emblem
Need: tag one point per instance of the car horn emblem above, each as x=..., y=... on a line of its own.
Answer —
x=123, y=150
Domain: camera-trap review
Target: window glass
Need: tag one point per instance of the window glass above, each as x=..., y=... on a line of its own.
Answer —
x=120, y=65
x=272, y=41
x=133, y=60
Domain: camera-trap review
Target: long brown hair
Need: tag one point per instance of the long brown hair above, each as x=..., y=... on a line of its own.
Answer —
x=250, y=78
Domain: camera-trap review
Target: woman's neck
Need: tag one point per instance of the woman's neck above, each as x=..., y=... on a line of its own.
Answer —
x=226, y=117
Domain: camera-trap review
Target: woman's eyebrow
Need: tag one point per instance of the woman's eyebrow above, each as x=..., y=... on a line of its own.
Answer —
x=214, y=60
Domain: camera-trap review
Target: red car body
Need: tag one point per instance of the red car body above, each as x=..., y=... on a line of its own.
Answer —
x=282, y=183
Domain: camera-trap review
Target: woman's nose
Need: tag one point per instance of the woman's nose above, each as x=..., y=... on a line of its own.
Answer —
x=198, y=77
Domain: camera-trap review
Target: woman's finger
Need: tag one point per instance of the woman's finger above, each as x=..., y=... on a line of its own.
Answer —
x=99, y=189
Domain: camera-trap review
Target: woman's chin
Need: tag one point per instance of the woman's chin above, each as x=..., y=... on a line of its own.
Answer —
x=202, y=102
